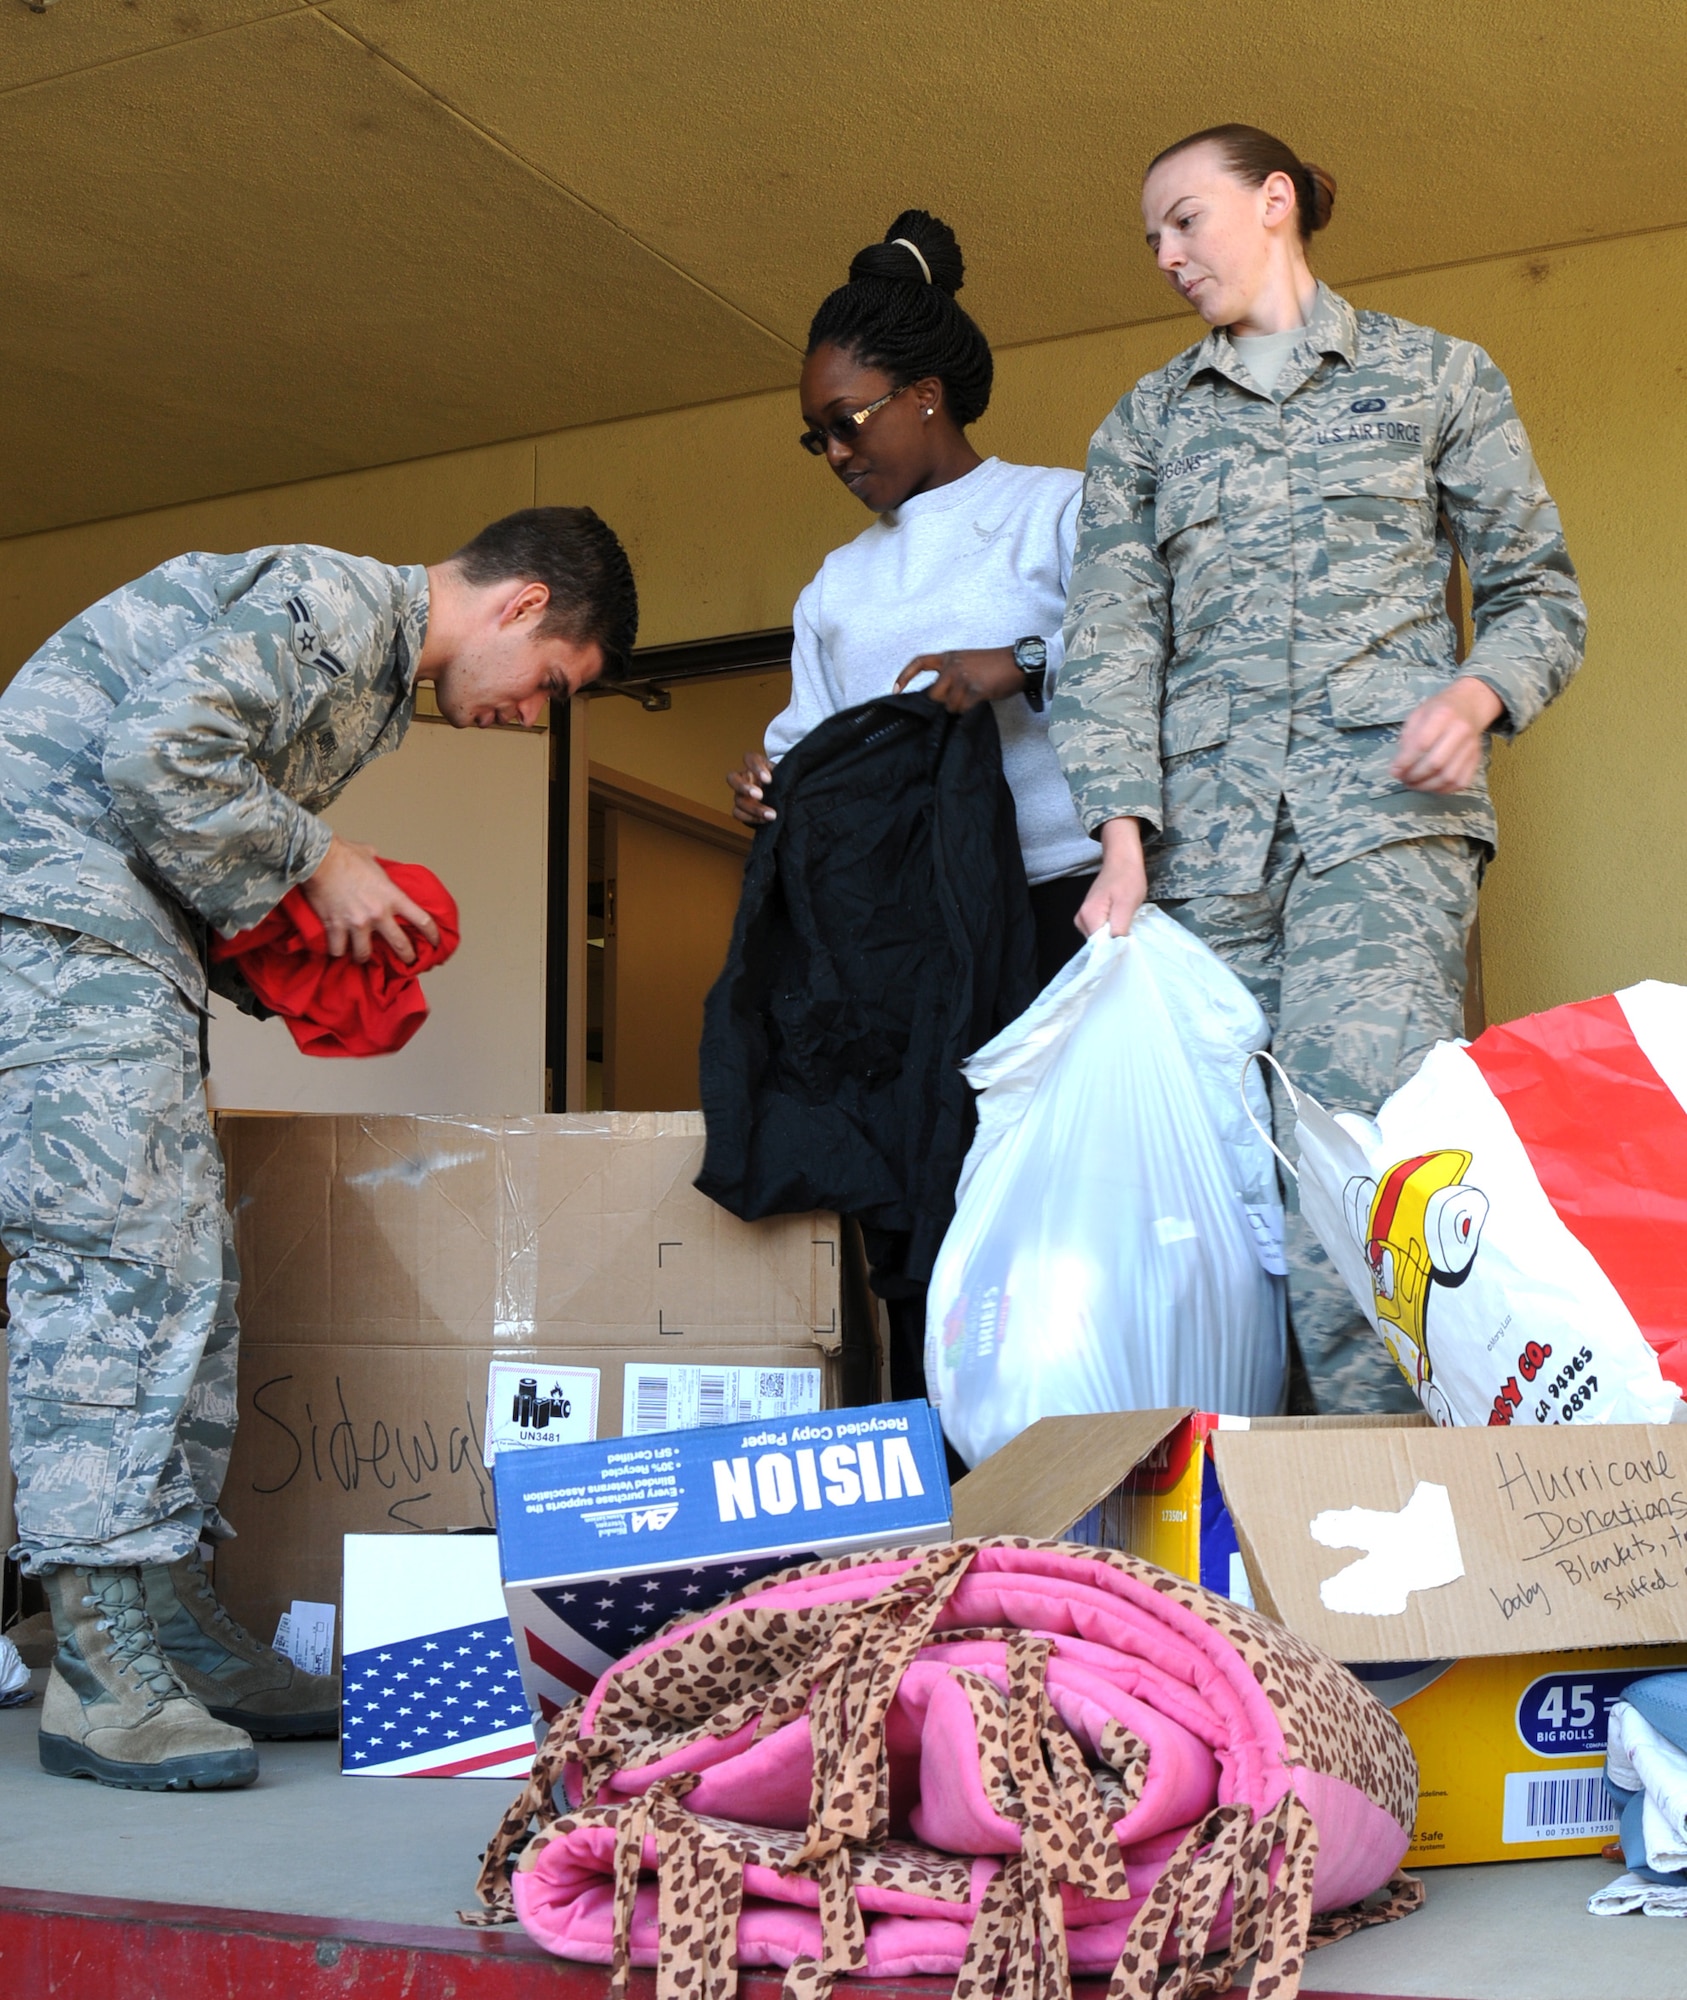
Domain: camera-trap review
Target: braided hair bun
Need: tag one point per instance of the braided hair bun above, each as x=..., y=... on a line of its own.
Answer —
x=917, y=249
x=898, y=313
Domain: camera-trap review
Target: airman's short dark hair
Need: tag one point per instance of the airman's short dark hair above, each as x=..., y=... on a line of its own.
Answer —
x=580, y=561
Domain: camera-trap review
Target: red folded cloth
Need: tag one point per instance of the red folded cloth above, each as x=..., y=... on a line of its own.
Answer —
x=336, y=1006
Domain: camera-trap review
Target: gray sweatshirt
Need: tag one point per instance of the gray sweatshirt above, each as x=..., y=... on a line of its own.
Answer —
x=981, y=562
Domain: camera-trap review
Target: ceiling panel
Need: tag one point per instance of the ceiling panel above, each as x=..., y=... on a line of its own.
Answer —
x=276, y=257
x=75, y=34
x=760, y=142
x=245, y=241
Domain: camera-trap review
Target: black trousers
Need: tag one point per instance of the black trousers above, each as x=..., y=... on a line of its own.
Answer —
x=1054, y=910
x=1054, y=906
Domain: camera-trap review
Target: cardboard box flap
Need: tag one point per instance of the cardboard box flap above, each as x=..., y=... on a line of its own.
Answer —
x=1423, y=1544
x=1052, y=1474
x=1383, y=1420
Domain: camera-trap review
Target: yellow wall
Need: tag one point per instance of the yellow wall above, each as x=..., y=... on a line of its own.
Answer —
x=401, y=513
x=726, y=520
x=1588, y=892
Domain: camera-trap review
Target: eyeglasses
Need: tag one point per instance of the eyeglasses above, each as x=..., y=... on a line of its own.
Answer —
x=844, y=429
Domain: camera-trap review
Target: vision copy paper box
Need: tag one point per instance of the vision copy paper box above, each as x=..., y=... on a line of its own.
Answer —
x=388, y=1262
x=1570, y=1548
x=601, y=1544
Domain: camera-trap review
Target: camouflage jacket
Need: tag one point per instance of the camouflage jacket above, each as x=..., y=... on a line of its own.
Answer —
x=164, y=756
x=1258, y=597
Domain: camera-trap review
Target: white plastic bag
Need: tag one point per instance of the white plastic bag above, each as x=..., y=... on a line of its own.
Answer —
x=1117, y=1241
x=1512, y=1222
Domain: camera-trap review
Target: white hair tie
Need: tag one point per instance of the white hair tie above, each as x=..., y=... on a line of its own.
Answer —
x=913, y=249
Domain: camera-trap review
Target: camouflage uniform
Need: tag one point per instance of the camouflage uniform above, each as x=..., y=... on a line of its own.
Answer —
x=162, y=762
x=1257, y=604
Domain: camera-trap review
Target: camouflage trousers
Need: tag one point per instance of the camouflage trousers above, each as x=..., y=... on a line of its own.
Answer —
x=122, y=1340
x=1360, y=970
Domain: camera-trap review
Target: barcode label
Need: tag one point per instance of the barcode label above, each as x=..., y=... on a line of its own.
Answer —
x=679, y=1396
x=650, y=1404
x=1567, y=1805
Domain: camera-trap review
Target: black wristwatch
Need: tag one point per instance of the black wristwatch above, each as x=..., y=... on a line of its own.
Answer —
x=1031, y=657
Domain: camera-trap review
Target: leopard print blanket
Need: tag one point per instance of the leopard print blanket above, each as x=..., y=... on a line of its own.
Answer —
x=1008, y=1760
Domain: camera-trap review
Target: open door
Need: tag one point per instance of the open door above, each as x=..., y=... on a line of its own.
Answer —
x=670, y=874
x=645, y=864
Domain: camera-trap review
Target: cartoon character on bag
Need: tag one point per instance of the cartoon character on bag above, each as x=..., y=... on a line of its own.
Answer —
x=1418, y=1227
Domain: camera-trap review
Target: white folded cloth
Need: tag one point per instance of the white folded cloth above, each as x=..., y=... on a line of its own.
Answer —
x=1629, y=1893
x=1638, y=1759
x=14, y=1676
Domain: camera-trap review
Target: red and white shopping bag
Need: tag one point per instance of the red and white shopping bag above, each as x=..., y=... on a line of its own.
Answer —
x=1514, y=1220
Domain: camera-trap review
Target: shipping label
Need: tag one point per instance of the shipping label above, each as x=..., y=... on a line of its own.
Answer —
x=669, y=1396
x=305, y=1635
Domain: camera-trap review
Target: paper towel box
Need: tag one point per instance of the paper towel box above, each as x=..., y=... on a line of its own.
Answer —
x=1496, y=1588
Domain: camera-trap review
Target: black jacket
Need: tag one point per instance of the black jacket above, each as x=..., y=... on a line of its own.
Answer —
x=884, y=933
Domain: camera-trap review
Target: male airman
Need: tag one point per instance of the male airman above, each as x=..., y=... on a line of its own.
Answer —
x=164, y=761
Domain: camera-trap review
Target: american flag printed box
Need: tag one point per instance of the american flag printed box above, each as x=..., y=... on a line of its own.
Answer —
x=429, y=1682
x=602, y=1543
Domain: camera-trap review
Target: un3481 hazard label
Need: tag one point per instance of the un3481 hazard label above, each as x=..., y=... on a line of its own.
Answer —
x=529, y=1405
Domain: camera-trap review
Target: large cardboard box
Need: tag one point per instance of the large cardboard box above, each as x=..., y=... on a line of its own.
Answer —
x=387, y=1261
x=601, y=1544
x=1526, y=1573
x=1497, y=1590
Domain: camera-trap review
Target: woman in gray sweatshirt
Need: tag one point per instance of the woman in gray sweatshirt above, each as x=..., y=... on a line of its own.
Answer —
x=957, y=587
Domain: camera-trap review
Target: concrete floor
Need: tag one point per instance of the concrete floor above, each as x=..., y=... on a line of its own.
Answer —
x=1516, y=1931
x=302, y=1839
x=404, y=1851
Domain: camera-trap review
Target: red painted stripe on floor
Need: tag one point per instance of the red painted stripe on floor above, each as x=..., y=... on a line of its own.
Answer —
x=95, y=1948
x=59, y=1947
x=1607, y=1139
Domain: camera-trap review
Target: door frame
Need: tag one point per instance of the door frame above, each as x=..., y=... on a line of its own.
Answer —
x=573, y=783
x=625, y=805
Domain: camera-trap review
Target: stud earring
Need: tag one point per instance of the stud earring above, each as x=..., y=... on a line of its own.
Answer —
x=928, y=413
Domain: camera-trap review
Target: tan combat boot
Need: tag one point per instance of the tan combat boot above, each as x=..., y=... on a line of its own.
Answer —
x=114, y=1711
x=238, y=1678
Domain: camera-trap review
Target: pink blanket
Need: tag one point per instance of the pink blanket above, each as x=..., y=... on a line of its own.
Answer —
x=1009, y=1762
